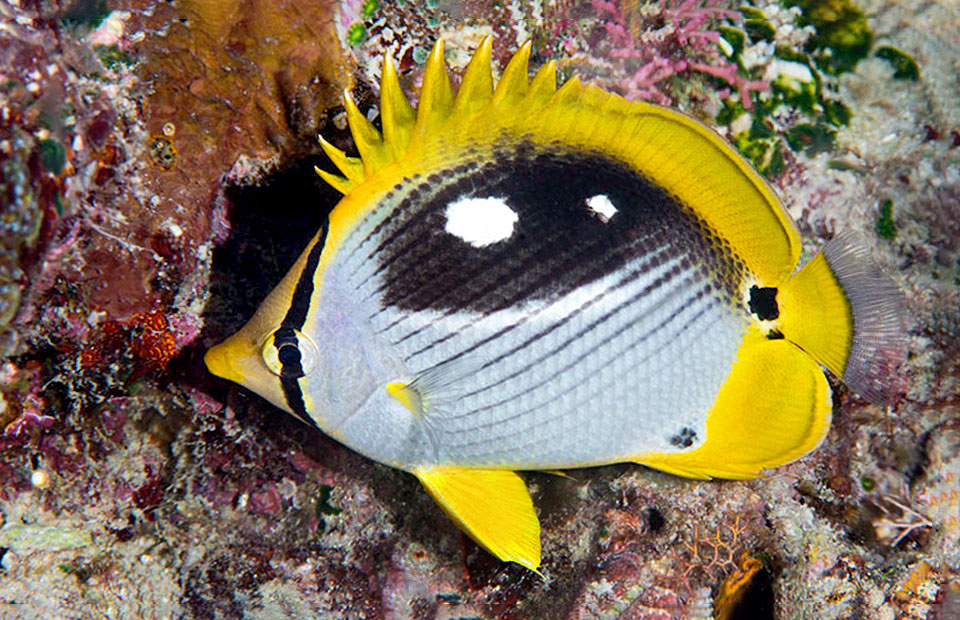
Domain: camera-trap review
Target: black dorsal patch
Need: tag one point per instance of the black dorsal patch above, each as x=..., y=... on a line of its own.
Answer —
x=563, y=237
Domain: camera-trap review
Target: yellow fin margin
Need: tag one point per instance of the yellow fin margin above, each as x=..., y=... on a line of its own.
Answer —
x=774, y=408
x=492, y=506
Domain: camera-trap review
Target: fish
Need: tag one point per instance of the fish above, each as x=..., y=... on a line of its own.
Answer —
x=521, y=276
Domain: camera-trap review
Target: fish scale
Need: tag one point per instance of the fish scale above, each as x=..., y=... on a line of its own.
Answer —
x=532, y=277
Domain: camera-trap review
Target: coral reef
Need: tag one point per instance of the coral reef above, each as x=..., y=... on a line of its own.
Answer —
x=156, y=179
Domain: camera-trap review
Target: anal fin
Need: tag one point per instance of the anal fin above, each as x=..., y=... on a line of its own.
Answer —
x=774, y=408
x=492, y=506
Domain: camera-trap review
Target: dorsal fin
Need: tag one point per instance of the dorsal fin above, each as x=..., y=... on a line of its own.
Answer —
x=513, y=83
x=396, y=113
x=476, y=87
x=680, y=155
x=436, y=94
x=369, y=143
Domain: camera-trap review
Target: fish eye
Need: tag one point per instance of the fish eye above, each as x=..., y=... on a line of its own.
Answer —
x=289, y=353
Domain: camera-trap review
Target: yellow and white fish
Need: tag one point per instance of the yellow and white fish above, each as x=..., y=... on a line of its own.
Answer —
x=522, y=277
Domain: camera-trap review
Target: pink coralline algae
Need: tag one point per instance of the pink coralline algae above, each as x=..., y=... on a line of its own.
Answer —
x=650, y=44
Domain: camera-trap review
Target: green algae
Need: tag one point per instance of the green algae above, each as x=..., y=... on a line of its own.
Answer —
x=842, y=36
x=53, y=155
x=369, y=9
x=756, y=24
x=905, y=67
x=356, y=34
x=32, y=537
x=113, y=58
x=885, y=225
x=799, y=88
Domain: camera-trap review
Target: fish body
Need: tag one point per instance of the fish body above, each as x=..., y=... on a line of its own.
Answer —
x=532, y=278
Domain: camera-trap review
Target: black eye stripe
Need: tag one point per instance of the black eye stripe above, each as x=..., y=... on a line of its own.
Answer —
x=294, y=319
x=291, y=369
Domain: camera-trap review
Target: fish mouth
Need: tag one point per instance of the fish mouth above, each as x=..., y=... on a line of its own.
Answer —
x=218, y=361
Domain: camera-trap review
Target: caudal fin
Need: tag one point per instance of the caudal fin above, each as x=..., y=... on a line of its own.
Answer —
x=844, y=312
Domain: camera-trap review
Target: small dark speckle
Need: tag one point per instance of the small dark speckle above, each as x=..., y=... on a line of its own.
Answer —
x=685, y=438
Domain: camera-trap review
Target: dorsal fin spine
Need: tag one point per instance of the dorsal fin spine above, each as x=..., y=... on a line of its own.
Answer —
x=476, y=87
x=365, y=136
x=544, y=83
x=513, y=84
x=436, y=94
x=337, y=182
x=397, y=114
x=405, y=127
x=351, y=167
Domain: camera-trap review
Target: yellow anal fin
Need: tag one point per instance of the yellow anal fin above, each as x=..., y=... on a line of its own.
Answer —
x=492, y=506
x=773, y=409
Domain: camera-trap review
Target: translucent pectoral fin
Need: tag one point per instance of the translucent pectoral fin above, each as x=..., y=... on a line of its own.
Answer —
x=773, y=409
x=492, y=506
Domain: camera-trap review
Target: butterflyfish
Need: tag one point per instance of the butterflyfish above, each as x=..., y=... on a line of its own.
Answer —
x=525, y=277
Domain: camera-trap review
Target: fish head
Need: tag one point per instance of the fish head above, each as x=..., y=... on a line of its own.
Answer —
x=277, y=354
x=264, y=354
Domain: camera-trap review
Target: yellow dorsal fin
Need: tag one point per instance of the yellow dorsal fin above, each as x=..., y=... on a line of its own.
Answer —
x=569, y=92
x=513, y=83
x=544, y=83
x=492, y=506
x=774, y=408
x=476, y=87
x=365, y=136
x=397, y=114
x=681, y=156
x=337, y=182
x=436, y=94
x=351, y=167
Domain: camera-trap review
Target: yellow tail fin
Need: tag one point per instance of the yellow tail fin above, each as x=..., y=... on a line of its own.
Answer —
x=844, y=312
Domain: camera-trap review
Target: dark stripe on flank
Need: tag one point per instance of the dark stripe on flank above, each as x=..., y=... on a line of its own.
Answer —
x=286, y=337
x=565, y=394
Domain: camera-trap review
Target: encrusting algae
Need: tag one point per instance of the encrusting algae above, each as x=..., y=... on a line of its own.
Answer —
x=521, y=277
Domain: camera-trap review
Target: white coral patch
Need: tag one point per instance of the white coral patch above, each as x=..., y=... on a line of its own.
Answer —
x=602, y=207
x=480, y=221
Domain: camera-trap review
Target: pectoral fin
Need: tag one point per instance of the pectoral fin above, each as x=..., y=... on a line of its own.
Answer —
x=492, y=506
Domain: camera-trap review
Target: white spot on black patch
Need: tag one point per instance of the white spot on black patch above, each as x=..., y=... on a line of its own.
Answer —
x=601, y=206
x=480, y=221
x=685, y=438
